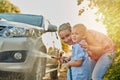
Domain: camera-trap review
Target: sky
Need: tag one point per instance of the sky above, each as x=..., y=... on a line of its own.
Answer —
x=59, y=12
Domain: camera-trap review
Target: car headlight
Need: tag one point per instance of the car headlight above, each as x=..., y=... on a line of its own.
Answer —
x=18, y=55
x=13, y=56
x=18, y=32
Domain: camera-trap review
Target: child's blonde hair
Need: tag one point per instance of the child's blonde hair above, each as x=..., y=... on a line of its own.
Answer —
x=81, y=28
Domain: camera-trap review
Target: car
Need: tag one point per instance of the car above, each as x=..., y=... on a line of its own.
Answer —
x=20, y=43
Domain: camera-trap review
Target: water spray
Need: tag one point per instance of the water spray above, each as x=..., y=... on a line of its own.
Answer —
x=42, y=54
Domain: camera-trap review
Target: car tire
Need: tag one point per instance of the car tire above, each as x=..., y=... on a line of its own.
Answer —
x=54, y=74
x=38, y=71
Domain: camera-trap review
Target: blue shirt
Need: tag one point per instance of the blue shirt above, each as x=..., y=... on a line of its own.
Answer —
x=82, y=72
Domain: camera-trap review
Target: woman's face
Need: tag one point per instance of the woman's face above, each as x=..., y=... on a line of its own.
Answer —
x=65, y=35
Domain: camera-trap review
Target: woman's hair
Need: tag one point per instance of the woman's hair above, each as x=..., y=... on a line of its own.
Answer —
x=64, y=26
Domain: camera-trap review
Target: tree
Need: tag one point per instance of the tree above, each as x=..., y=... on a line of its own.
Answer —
x=110, y=10
x=6, y=6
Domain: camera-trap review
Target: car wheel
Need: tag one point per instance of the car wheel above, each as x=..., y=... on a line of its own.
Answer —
x=38, y=71
x=54, y=74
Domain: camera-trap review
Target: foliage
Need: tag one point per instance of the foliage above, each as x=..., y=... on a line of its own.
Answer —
x=6, y=6
x=110, y=10
x=114, y=72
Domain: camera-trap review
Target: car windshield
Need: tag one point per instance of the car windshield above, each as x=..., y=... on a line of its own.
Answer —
x=36, y=20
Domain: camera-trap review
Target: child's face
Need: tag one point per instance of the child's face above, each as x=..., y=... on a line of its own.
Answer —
x=77, y=35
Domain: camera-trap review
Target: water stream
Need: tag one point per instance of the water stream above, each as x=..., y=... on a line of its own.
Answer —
x=37, y=49
x=41, y=54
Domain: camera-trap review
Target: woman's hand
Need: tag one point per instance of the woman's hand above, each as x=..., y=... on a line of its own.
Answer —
x=84, y=44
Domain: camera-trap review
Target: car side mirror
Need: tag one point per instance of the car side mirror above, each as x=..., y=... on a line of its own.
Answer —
x=51, y=28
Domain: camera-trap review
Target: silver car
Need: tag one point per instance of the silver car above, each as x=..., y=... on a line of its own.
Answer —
x=20, y=37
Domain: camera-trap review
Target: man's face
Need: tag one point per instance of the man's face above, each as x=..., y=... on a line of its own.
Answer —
x=65, y=35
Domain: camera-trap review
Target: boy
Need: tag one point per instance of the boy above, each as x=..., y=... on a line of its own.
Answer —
x=79, y=62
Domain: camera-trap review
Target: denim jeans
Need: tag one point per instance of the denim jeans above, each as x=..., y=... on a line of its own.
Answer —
x=100, y=67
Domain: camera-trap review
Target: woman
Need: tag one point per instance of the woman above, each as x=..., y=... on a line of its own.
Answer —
x=100, y=48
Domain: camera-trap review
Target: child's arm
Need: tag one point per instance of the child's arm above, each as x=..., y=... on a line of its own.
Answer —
x=75, y=63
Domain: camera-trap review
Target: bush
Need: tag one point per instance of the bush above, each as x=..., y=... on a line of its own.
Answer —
x=114, y=72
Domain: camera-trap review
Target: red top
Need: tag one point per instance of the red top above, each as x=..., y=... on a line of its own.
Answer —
x=106, y=42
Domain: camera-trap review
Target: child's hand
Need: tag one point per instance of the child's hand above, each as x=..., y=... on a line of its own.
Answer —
x=63, y=59
x=68, y=64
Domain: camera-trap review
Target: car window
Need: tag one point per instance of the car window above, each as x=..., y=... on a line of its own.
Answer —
x=36, y=20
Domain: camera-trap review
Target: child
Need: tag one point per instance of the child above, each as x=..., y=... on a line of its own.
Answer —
x=79, y=62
